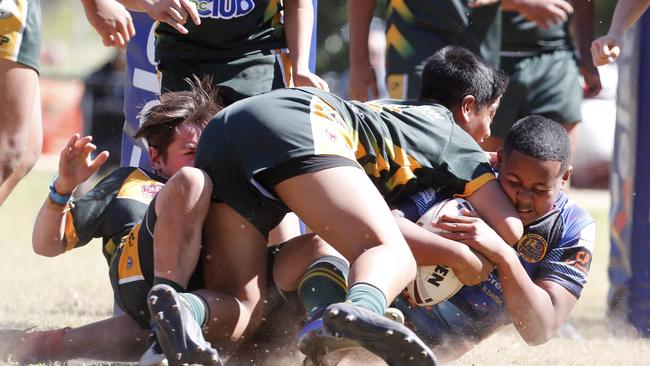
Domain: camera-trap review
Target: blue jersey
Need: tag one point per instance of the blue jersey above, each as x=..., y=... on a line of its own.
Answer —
x=557, y=247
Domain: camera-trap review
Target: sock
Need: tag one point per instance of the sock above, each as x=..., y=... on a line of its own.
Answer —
x=368, y=296
x=324, y=283
x=163, y=281
x=197, y=306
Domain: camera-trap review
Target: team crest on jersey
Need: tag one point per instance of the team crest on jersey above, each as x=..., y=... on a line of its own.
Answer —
x=532, y=247
x=150, y=190
x=224, y=9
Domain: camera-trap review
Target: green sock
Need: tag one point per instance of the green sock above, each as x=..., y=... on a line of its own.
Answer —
x=324, y=283
x=368, y=296
x=197, y=306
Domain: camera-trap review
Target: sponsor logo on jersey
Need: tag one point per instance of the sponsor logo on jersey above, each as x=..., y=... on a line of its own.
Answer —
x=224, y=9
x=579, y=258
x=150, y=190
x=129, y=262
x=532, y=247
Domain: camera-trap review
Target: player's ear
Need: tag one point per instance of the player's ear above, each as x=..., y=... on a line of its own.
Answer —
x=497, y=166
x=156, y=159
x=566, y=175
x=463, y=111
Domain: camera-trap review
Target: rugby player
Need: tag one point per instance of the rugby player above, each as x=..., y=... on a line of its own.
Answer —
x=535, y=284
x=335, y=164
x=113, y=211
x=21, y=131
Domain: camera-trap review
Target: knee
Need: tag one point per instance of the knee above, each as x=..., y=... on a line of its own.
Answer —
x=190, y=186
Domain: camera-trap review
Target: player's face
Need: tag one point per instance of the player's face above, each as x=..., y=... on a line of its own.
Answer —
x=531, y=184
x=481, y=118
x=181, y=151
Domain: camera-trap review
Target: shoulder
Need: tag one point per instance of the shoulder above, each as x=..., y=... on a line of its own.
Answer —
x=577, y=222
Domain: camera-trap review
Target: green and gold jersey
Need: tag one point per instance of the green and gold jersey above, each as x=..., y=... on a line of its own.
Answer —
x=109, y=211
x=228, y=29
x=403, y=146
x=521, y=34
x=416, y=29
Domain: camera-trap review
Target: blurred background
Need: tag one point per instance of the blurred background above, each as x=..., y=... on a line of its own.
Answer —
x=83, y=81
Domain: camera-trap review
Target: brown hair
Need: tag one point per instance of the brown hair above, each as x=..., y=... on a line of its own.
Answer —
x=197, y=106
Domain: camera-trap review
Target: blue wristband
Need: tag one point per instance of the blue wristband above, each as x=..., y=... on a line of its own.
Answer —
x=55, y=196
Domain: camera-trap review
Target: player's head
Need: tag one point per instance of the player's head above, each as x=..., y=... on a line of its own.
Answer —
x=173, y=127
x=465, y=84
x=534, y=165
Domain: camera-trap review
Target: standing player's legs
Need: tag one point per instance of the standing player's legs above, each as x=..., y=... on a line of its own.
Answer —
x=20, y=124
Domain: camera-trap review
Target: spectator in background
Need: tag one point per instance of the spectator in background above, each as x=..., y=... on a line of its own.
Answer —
x=544, y=74
x=102, y=108
x=21, y=130
x=417, y=29
x=607, y=48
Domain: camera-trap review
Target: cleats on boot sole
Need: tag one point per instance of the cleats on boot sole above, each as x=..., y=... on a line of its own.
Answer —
x=388, y=339
x=178, y=334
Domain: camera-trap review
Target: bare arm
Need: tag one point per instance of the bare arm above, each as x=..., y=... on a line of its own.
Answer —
x=111, y=20
x=537, y=309
x=299, y=21
x=542, y=12
x=492, y=204
x=172, y=12
x=362, y=76
x=75, y=166
x=606, y=49
x=582, y=27
x=429, y=249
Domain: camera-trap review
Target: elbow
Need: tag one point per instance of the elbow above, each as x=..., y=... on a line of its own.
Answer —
x=537, y=337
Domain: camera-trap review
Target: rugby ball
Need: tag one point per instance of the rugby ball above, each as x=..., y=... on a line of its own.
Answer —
x=434, y=284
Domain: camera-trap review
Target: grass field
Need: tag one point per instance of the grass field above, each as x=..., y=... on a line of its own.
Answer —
x=73, y=289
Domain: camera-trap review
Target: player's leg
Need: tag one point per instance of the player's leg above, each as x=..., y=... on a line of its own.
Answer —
x=177, y=315
x=115, y=339
x=20, y=117
x=347, y=211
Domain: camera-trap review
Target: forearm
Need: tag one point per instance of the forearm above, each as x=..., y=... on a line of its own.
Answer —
x=429, y=248
x=49, y=229
x=626, y=13
x=359, y=17
x=134, y=5
x=530, y=307
x=495, y=208
x=582, y=28
x=299, y=21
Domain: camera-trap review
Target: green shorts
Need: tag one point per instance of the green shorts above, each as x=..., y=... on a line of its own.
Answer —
x=20, y=32
x=268, y=132
x=239, y=78
x=547, y=84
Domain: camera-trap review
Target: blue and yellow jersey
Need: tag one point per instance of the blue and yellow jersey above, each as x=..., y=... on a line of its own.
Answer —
x=111, y=209
x=228, y=29
x=557, y=247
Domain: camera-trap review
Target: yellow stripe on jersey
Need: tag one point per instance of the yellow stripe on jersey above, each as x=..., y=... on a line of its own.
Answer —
x=399, y=6
x=271, y=11
x=285, y=67
x=395, y=38
x=70, y=233
x=13, y=15
x=128, y=269
x=330, y=133
x=140, y=187
x=406, y=170
x=475, y=184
